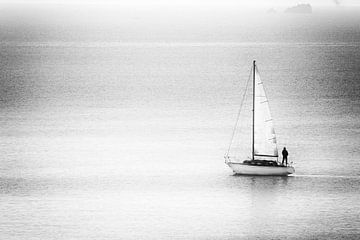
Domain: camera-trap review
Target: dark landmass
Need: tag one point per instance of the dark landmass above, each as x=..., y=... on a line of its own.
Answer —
x=300, y=8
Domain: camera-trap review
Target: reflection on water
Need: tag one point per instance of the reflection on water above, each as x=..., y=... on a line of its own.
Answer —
x=300, y=207
x=178, y=203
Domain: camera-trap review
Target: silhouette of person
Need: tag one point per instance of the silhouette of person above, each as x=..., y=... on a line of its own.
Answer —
x=285, y=155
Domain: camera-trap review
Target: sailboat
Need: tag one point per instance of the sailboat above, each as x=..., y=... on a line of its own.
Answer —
x=257, y=138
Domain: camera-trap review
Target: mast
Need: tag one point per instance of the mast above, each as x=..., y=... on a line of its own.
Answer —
x=253, y=114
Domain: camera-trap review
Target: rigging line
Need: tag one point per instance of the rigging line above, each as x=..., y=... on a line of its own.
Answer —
x=238, y=114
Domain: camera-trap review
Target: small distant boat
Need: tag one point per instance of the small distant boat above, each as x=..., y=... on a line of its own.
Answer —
x=264, y=158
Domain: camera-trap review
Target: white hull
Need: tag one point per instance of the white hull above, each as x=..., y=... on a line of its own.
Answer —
x=244, y=169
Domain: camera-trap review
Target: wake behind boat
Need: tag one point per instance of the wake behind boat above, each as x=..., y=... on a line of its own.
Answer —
x=264, y=151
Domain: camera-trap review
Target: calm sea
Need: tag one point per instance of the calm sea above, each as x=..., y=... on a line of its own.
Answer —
x=119, y=132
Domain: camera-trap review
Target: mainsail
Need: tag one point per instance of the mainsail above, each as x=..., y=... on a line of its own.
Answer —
x=264, y=136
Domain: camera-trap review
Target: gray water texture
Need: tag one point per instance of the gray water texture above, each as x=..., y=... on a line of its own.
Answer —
x=109, y=139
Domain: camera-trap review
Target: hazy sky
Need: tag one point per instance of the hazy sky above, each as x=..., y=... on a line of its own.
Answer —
x=273, y=3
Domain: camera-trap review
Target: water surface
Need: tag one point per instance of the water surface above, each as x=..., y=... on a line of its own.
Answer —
x=102, y=139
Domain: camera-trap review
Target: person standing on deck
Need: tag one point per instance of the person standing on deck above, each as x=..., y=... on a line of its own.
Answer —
x=285, y=155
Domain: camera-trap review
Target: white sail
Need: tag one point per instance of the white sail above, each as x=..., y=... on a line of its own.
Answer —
x=265, y=139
